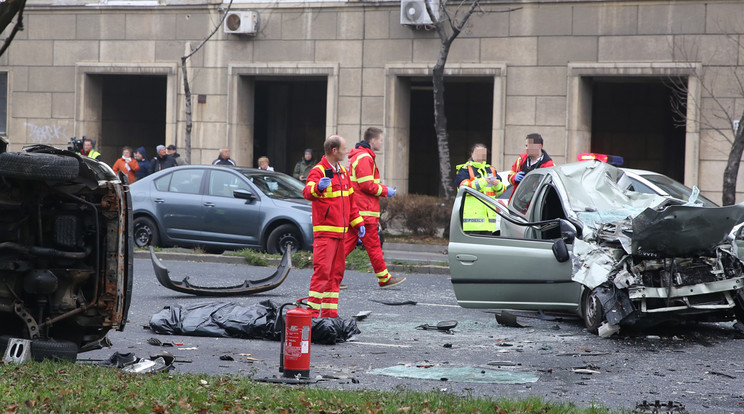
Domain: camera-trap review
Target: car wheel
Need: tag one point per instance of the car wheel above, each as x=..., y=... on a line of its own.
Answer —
x=282, y=237
x=145, y=232
x=592, y=311
x=42, y=349
x=38, y=166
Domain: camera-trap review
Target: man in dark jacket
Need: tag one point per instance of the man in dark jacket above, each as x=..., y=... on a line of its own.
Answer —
x=304, y=165
x=533, y=158
x=224, y=158
x=171, y=150
x=162, y=160
x=144, y=165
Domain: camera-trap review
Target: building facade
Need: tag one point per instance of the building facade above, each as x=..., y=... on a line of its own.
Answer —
x=652, y=81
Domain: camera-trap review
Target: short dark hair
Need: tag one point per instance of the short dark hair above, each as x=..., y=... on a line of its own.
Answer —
x=333, y=141
x=127, y=147
x=372, y=133
x=477, y=145
x=535, y=138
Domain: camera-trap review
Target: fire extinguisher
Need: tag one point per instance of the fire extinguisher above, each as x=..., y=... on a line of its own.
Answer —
x=295, y=347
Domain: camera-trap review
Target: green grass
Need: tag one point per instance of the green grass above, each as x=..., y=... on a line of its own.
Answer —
x=358, y=260
x=255, y=257
x=65, y=387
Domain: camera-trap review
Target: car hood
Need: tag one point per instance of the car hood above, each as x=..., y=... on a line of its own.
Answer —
x=301, y=205
x=684, y=230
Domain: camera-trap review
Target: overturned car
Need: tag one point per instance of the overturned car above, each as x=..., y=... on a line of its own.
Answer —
x=575, y=238
x=65, y=251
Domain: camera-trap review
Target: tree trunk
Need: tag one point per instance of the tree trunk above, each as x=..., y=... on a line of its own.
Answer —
x=440, y=119
x=187, y=94
x=732, y=166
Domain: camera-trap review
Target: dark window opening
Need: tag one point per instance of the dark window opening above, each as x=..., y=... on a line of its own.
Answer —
x=634, y=118
x=132, y=113
x=469, y=110
x=289, y=117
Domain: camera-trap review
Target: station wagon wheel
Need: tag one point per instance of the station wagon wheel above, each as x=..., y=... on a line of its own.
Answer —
x=592, y=311
x=145, y=232
x=282, y=237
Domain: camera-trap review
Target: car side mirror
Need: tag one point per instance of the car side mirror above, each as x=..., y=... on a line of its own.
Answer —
x=560, y=251
x=568, y=231
x=244, y=195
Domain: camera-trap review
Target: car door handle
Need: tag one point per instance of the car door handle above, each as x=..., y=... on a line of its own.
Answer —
x=466, y=258
x=207, y=204
x=159, y=200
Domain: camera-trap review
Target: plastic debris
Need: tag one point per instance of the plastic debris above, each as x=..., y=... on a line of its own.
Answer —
x=507, y=318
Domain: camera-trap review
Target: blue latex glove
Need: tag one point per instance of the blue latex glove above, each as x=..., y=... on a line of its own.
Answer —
x=519, y=176
x=324, y=183
x=391, y=191
x=362, y=231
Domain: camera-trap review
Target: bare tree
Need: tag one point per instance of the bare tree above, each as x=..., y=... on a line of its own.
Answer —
x=8, y=10
x=187, y=88
x=448, y=26
x=722, y=118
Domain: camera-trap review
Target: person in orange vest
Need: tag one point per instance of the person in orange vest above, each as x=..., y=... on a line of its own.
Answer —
x=535, y=157
x=365, y=178
x=329, y=188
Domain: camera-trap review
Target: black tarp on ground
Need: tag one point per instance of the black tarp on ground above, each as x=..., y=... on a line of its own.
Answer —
x=227, y=319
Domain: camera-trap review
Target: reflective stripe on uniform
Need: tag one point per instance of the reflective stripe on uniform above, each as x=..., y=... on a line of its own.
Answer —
x=473, y=220
x=369, y=213
x=356, y=221
x=333, y=229
x=364, y=179
x=329, y=305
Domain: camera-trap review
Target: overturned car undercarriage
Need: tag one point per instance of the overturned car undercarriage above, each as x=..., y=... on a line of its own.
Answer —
x=65, y=251
x=673, y=263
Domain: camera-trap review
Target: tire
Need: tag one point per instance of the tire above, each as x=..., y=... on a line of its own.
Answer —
x=42, y=349
x=283, y=236
x=59, y=351
x=38, y=166
x=592, y=311
x=145, y=232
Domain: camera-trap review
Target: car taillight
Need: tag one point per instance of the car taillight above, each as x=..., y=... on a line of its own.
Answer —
x=610, y=159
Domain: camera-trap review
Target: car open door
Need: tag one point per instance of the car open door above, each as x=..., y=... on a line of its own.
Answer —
x=507, y=272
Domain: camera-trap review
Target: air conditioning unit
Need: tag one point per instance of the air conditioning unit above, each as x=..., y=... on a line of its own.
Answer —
x=241, y=22
x=413, y=12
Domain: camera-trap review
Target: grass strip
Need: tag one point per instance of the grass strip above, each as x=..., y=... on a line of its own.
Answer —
x=65, y=387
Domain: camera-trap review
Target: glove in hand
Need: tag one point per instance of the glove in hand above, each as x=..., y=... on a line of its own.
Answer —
x=391, y=191
x=519, y=176
x=324, y=183
x=362, y=231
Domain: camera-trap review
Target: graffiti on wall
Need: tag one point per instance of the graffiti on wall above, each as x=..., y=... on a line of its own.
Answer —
x=46, y=134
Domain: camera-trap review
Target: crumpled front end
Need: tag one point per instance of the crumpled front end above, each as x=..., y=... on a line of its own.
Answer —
x=670, y=263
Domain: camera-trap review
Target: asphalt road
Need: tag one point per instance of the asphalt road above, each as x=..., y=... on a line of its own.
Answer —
x=699, y=366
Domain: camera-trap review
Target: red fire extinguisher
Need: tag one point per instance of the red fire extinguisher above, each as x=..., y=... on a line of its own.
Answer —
x=295, y=347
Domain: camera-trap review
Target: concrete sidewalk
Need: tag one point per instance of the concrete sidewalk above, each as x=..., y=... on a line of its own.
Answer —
x=400, y=257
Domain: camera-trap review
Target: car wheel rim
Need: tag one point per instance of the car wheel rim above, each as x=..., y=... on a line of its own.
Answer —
x=592, y=310
x=142, y=236
x=287, y=240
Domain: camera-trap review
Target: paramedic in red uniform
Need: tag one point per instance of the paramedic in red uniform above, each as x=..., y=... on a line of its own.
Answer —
x=329, y=189
x=365, y=178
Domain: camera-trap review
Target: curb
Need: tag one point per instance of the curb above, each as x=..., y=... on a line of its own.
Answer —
x=236, y=260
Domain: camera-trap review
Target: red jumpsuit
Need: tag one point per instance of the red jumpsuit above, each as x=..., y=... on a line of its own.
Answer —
x=333, y=214
x=365, y=178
